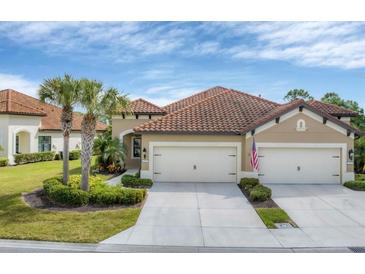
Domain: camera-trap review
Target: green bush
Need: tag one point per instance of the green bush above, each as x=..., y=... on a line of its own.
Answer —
x=75, y=181
x=100, y=193
x=25, y=158
x=260, y=193
x=355, y=185
x=65, y=195
x=74, y=154
x=3, y=161
x=248, y=183
x=135, y=182
x=360, y=177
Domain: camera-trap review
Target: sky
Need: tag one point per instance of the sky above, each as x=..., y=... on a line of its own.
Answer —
x=166, y=61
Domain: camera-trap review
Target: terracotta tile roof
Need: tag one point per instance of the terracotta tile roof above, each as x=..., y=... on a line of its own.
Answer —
x=141, y=106
x=193, y=99
x=17, y=103
x=226, y=112
x=332, y=109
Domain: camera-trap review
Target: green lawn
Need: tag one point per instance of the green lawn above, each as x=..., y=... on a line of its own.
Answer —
x=270, y=216
x=19, y=221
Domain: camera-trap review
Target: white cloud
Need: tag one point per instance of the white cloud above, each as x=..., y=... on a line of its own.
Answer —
x=18, y=83
x=322, y=44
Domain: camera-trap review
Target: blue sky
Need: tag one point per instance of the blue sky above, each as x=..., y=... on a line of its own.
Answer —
x=166, y=61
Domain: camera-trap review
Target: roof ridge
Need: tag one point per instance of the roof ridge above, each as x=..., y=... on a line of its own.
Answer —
x=184, y=108
x=254, y=96
x=196, y=94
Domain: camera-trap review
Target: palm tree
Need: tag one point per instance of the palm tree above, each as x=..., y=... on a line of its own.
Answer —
x=63, y=92
x=97, y=103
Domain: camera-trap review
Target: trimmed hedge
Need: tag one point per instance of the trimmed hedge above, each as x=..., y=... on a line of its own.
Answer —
x=100, y=193
x=360, y=177
x=4, y=161
x=63, y=194
x=25, y=158
x=355, y=185
x=248, y=183
x=135, y=182
x=74, y=154
x=260, y=193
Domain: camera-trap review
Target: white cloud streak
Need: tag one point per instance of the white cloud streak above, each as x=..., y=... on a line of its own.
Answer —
x=19, y=83
x=313, y=44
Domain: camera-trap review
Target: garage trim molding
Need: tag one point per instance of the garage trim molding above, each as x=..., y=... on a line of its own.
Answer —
x=345, y=176
x=149, y=173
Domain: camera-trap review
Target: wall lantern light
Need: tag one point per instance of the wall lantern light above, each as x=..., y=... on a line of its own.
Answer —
x=144, y=153
x=351, y=154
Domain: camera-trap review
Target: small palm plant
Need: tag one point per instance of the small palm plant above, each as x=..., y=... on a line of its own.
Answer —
x=97, y=103
x=62, y=92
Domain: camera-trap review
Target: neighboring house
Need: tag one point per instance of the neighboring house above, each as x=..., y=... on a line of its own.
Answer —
x=28, y=125
x=208, y=137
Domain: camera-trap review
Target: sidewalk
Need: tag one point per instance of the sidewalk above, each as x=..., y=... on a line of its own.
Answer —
x=17, y=246
x=116, y=180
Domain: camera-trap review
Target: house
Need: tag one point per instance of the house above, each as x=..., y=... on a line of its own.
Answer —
x=208, y=137
x=28, y=125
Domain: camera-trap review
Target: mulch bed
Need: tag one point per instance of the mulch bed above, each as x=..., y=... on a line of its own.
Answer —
x=256, y=204
x=37, y=199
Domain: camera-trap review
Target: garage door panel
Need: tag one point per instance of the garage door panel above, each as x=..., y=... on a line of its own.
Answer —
x=299, y=165
x=195, y=164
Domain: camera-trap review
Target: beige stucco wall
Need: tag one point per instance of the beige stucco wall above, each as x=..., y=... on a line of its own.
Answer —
x=285, y=132
x=119, y=125
x=147, y=138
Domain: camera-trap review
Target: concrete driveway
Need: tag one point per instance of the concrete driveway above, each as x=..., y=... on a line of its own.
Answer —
x=328, y=215
x=197, y=214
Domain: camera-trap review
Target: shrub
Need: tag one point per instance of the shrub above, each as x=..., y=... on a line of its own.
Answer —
x=57, y=156
x=260, y=193
x=75, y=181
x=3, y=161
x=100, y=193
x=25, y=158
x=65, y=195
x=248, y=183
x=360, y=177
x=74, y=154
x=134, y=182
x=355, y=185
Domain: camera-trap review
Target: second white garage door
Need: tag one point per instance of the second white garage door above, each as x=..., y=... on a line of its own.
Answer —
x=194, y=164
x=299, y=165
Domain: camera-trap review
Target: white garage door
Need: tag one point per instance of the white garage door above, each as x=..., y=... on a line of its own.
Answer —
x=299, y=165
x=195, y=164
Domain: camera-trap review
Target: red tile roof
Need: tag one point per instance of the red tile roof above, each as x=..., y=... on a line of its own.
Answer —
x=225, y=111
x=141, y=106
x=332, y=109
x=17, y=103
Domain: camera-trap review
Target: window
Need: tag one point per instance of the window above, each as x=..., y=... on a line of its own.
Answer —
x=136, y=147
x=301, y=125
x=44, y=143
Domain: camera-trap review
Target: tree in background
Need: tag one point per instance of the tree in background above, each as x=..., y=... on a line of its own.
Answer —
x=295, y=94
x=97, y=102
x=358, y=122
x=62, y=92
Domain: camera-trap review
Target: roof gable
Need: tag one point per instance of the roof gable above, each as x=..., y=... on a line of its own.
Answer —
x=141, y=106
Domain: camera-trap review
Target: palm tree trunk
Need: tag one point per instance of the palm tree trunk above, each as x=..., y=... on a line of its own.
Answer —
x=65, y=155
x=66, y=121
x=87, y=139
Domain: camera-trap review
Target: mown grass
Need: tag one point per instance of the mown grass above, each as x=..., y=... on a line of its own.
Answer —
x=19, y=221
x=270, y=216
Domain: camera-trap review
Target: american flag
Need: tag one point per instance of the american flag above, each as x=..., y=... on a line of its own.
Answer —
x=254, y=157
